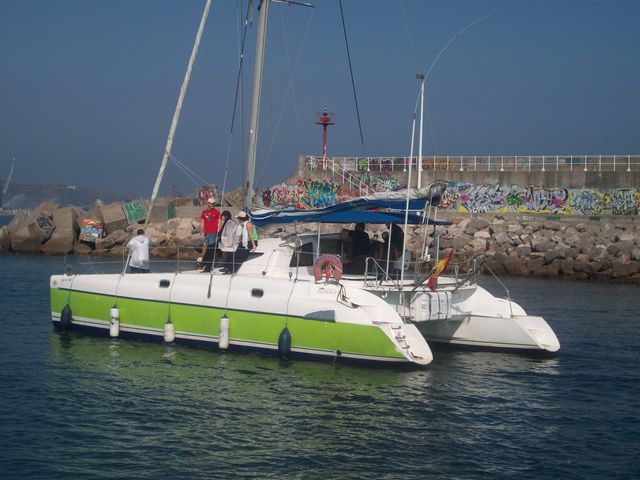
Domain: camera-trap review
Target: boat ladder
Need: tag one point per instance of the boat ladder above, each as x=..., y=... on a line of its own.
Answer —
x=401, y=339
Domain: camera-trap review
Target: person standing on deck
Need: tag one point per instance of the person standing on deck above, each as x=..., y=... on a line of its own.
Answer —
x=248, y=241
x=227, y=240
x=209, y=226
x=139, y=250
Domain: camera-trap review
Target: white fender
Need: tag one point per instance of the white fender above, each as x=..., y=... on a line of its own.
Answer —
x=169, y=332
x=114, y=317
x=223, y=342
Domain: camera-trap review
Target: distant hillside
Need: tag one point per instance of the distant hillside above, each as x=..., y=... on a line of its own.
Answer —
x=28, y=196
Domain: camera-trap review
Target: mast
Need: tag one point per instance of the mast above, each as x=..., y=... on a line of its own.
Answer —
x=7, y=182
x=176, y=114
x=255, y=102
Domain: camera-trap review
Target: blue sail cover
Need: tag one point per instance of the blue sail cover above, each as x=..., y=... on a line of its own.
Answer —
x=383, y=207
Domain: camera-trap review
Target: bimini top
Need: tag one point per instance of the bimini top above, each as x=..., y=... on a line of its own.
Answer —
x=381, y=207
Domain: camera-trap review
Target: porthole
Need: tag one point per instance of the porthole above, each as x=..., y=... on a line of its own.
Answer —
x=257, y=292
x=164, y=283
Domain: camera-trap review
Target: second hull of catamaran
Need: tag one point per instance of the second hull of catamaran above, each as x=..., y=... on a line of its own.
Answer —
x=470, y=316
x=324, y=320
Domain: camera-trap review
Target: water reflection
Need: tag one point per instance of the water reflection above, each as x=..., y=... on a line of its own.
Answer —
x=260, y=411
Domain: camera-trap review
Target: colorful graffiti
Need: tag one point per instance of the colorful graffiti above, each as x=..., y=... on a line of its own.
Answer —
x=466, y=197
x=305, y=195
x=379, y=181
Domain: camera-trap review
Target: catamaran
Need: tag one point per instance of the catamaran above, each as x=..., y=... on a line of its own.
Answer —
x=304, y=296
x=267, y=305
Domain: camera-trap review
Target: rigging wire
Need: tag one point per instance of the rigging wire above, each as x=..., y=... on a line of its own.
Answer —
x=353, y=85
x=190, y=174
x=444, y=49
x=289, y=88
x=239, y=79
x=239, y=90
x=412, y=49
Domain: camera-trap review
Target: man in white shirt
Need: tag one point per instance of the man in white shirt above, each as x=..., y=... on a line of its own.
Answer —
x=139, y=250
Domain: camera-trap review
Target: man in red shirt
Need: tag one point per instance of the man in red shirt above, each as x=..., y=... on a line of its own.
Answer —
x=209, y=223
x=209, y=226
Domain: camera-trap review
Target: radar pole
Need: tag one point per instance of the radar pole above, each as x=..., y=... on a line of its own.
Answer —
x=325, y=119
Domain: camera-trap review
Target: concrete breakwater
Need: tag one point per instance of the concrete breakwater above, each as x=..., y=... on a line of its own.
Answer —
x=572, y=248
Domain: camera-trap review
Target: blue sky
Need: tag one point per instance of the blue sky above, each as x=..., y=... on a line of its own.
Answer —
x=88, y=88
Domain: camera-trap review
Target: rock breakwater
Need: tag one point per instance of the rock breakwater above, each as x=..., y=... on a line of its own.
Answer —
x=601, y=249
x=572, y=248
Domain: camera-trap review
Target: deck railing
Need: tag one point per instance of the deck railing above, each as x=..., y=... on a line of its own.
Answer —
x=478, y=163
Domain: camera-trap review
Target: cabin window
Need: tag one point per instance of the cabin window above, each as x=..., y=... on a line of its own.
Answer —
x=305, y=254
x=164, y=283
x=257, y=292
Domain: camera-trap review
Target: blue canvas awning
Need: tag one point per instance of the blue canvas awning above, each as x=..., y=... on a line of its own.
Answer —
x=384, y=207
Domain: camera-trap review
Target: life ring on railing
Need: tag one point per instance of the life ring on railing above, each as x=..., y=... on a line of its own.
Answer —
x=332, y=266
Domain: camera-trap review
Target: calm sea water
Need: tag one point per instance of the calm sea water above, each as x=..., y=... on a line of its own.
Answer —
x=74, y=406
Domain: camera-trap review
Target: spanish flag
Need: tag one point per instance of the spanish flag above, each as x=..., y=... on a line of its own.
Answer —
x=432, y=283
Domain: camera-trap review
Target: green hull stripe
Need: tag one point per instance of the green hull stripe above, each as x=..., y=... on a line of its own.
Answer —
x=246, y=326
x=120, y=297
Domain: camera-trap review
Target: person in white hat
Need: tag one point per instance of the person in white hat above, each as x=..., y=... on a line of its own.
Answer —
x=248, y=240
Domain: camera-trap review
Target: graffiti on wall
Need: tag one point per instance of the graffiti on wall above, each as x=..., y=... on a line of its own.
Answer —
x=305, y=195
x=466, y=197
x=379, y=181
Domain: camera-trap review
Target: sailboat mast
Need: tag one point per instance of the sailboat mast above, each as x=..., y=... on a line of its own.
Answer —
x=176, y=114
x=255, y=101
x=3, y=193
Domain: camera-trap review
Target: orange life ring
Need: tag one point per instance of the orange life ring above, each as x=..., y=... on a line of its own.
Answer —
x=333, y=267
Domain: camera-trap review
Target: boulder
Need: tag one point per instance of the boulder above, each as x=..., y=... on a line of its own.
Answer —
x=22, y=242
x=515, y=228
x=5, y=239
x=460, y=241
x=82, y=248
x=185, y=229
x=501, y=238
x=41, y=228
x=46, y=208
x=134, y=211
x=28, y=232
x=114, y=217
x=566, y=267
x=624, y=269
x=535, y=264
x=551, y=255
x=91, y=230
x=65, y=234
x=95, y=213
x=515, y=266
x=118, y=237
x=17, y=222
x=160, y=211
x=475, y=224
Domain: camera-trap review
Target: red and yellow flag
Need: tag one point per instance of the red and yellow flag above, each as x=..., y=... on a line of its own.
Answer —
x=432, y=283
